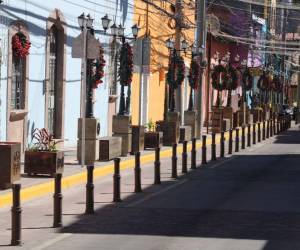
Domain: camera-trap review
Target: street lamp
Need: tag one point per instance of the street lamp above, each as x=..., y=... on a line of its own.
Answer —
x=105, y=22
x=121, y=31
x=135, y=30
x=114, y=30
x=184, y=45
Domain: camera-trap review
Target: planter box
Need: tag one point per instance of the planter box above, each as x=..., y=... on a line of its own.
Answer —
x=153, y=139
x=44, y=163
x=110, y=148
x=10, y=153
x=185, y=134
x=138, y=139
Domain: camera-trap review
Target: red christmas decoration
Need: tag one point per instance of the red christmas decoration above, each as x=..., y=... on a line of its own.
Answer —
x=97, y=68
x=20, y=45
x=126, y=65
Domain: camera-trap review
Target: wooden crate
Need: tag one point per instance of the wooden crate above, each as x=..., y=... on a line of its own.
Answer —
x=138, y=138
x=185, y=133
x=10, y=167
x=110, y=147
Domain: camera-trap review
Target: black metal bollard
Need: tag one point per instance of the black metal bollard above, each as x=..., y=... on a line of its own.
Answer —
x=117, y=181
x=184, y=157
x=89, y=205
x=137, y=173
x=264, y=131
x=16, y=216
x=222, y=145
x=230, y=142
x=174, y=161
x=254, y=133
x=57, y=209
x=268, y=129
x=213, y=147
x=271, y=127
x=204, y=161
x=243, y=137
x=248, y=135
x=157, y=166
x=258, y=132
x=237, y=140
x=193, y=154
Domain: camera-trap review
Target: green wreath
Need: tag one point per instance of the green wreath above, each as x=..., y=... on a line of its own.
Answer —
x=247, y=80
x=194, y=74
x=175, y=74
x=231, y=79
x=264, y=82
x=219, y=71
x=277, y=85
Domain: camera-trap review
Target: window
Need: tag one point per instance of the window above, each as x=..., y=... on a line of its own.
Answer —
x=17, y=84
x=52, y=79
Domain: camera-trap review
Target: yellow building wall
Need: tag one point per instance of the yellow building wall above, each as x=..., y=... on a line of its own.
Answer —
x=159, y=30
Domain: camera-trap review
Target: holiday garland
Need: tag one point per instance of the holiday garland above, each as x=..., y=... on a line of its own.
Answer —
x=126, y=64
x=20, y=45
x=247, y=79
x=219, y=78
x=194, y=74
x=231, y=79
x=175, y=75
x=264, y=82
x=277, y=85
x=97, y=68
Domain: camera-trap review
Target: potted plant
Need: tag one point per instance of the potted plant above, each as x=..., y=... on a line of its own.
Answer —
x=42, y=157
x=153, y=138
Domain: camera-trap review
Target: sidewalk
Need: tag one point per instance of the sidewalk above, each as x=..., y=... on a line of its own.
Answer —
x=33, y=187
x=37, y=215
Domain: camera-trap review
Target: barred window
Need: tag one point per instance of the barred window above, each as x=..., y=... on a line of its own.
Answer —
x=18, y=83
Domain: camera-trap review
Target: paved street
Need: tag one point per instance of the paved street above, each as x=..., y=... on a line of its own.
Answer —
x=248, y=201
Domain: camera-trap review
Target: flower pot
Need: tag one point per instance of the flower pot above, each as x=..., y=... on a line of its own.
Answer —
x=44, y=162
x=153, y=139
x=10, y=153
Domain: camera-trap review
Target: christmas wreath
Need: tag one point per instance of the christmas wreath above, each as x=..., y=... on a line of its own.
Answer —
x=194, y=74
x=231, y=79
x=20, y=45
x=219, y=78
x=264, y=82
x=126, y=65
x=97, y=68
x=175, y=75
x=247, y=79
x=277, y=85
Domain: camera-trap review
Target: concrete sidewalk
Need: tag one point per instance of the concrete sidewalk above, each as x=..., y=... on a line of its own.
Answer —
x=34, y=187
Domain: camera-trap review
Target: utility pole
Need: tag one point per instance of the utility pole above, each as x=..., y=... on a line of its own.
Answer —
x=178, y=29
x=200, y=43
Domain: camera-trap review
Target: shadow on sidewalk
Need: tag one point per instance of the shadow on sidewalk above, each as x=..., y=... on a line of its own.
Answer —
x=253, y=197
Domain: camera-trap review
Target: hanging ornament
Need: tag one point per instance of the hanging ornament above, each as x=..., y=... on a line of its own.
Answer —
x=277, y=84
x=20, y=45
x=97, y=69
x=264, y=82
x=126, y=64
x=231, y=78
x=194, y=74
x=219, y=77
x=175, y=75
x=247, y=79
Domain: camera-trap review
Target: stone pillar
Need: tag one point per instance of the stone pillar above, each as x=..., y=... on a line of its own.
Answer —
x=121, y=127
x=92, y=133
x=190, y=119
x=171, y=129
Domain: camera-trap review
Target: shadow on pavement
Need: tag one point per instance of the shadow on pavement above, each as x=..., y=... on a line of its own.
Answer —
x=253, y=197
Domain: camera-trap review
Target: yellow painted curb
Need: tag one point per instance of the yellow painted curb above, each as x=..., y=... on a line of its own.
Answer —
x=29, y=193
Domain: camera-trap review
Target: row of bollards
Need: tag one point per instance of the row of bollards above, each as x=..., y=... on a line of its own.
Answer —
x=269, y=128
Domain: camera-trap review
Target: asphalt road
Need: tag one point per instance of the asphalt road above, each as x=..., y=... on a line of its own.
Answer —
x=250, y=201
